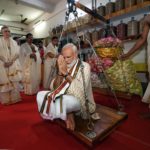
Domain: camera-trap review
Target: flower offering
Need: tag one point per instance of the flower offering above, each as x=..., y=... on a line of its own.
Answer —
x=120, y=74
x=108, y=47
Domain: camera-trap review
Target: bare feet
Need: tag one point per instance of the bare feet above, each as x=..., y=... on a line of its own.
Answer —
x=70, y=123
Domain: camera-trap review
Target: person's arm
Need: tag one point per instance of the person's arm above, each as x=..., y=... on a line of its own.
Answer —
x=139, y=43
x=50, y=52
x=69, y=78
x=51, y=55
x=15, y=57
x=57, y=81
x=2, y=58
x=33, y=56
x=62, y=69
x=35, y=53
x=8, y=64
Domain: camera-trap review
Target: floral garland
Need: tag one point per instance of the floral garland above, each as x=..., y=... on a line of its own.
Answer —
x=94, y=64
x=108, y=42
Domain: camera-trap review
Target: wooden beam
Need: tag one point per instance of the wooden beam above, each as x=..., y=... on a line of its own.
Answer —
x=91, y=12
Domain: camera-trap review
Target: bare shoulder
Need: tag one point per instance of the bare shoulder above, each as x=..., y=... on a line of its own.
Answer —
x=147, y=19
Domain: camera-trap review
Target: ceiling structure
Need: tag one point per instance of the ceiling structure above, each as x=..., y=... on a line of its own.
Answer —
x=22, y=15
x=25, y=11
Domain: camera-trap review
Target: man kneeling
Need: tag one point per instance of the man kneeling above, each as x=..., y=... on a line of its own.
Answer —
x=67, y=95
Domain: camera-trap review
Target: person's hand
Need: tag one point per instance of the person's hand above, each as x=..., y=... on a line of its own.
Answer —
x=50, y=55
x=57, y=56
x=8, y=64
x=124, y=56
x=33, y=56
x=2, y=58
x=62, y=66
x=46, y=56
x=33, y=49
x=15, y=57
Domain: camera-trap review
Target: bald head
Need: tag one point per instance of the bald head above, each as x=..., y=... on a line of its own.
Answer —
x=69, y=53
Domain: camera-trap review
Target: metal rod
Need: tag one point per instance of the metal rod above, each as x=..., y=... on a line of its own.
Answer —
x=92, y=13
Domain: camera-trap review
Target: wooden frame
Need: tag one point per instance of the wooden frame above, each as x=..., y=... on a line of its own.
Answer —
x=110, y=119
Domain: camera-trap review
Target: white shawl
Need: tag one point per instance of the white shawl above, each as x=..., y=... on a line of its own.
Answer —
x=13, y=73
x=31, y=68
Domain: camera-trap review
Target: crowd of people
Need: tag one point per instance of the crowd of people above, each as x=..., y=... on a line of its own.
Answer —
x=21, y=66
x=64, y=81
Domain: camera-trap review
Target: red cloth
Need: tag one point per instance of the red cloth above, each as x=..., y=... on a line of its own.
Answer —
x=22, y=128
x=41, y=52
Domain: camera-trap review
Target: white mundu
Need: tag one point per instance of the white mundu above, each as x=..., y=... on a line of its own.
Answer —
x=31, y=69
x=9, y=77
x=69, y=104
x=146, y=97
x=49, y=65
x=73, y=98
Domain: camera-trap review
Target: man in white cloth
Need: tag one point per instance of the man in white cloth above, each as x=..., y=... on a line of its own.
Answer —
x=144, y=39
x=31, y=65
x=67, y=92
x=10, y=69
x=50, y=62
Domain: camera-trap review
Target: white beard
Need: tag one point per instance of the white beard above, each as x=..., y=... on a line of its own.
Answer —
x=72, y=64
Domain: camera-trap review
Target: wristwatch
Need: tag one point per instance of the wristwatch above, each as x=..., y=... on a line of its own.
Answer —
x=66, y=75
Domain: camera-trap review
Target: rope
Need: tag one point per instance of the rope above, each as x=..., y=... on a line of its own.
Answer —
x=90, y=124
x=73, y=10
x=120, y=106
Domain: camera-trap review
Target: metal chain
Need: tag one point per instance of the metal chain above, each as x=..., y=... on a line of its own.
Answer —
x=90, y=124
x=65, y=25
x=120, y=106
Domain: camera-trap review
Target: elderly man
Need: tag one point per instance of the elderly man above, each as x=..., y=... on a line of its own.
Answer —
x=10, y=69
x=31, y=64
x=67, y=91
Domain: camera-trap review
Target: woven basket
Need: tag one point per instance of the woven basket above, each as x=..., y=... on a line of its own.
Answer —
x=112, y=52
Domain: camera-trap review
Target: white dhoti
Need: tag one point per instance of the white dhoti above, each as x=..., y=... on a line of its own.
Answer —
x=69, y=104
x=10, y=97
x=9, y=76
x=146, y=97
